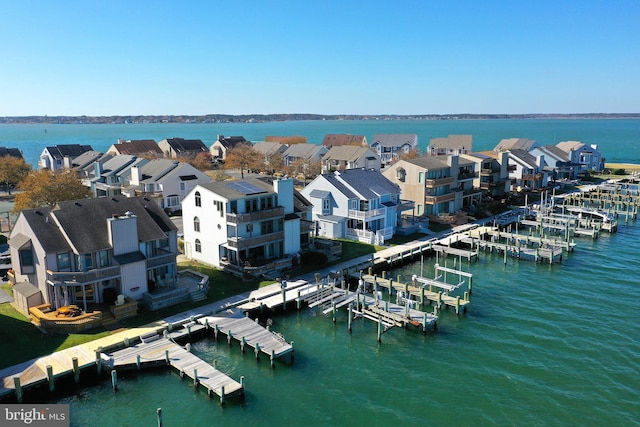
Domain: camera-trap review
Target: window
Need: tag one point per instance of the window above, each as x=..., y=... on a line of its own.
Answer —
x=326, y=204
x=64, y=262
x=198, y=200
x=103, y=258
x=401, y=174
x=88, y=262
x=183, y=186
x=421, y=177
x=219, y=207
x=196, y=224
x=26, y=257
x=198, y=246
x=173, y=201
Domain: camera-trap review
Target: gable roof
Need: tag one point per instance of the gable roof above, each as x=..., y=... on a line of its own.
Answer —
x=268, y=148
x=230, y=141
x=367, y=183
x=515, y=144
x=395, y=139
x=155, y=169
x=304, y=151
x=348, y=153
x=569, y=146
x=554, y=152
x=61, y=151
x=453, y=142
x=114, y=165
x=525, y=158
x=82, y=224
x=136, y=146
x=337, y=139
x=87, y=158
x=184, y=146
x=14, y=152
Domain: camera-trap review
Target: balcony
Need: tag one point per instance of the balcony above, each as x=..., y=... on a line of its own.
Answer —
x=82, y=278
x=433, y=183
x=238, y=218
x=161, y=260
x=367, y=214
x=434, y=200
x=531, y=176
x=467, y=175
x=251, y=242
x=152, y=194
x=257, y=269
x=488, y=171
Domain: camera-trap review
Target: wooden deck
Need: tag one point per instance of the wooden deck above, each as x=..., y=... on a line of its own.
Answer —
x=162, y=351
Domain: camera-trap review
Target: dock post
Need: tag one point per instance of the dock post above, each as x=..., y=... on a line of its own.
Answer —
x=188, y=347
x=466, y=296
x=159, y=414
x=470, y=278
x=18, y=389
x=505, y=255
x=165, y=334
x=242, y=343
x=206, y=324
x=458, y=305
x=189, y=331
x=52, y=386
x=284, y=299
x=114, y=380
x=261, y=308
x=273, y=359
x=138, y=362
x=222, y=395
x=370, y=271
x=384, y=274
x=215, y=332
x=76, y=370
x=298, y=301
x=98, y=360
x=166, y=356
x=379, y=329
x=229, y=336
x=350, y=316
x=215, y=364
x=257, y=351
x=422, y=296
x=439, y=302
x=333, y=304
x=195, y=378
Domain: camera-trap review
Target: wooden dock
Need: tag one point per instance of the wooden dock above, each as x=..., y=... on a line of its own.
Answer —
x=248, y=333
x=162, y=351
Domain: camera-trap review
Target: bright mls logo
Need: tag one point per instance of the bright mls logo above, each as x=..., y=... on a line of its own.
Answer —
x=35, y=415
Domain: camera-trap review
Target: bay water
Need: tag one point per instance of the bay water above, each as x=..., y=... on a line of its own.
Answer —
x=540, y=345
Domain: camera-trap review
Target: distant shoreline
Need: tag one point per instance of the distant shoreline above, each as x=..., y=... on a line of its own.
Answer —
x=264, y=118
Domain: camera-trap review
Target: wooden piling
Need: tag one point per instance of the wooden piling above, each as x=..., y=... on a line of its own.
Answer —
x=114, y=380
x=159, y=415
x=76, y=370
x=52, y=386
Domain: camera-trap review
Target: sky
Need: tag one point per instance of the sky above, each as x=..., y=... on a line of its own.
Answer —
x=158, y=57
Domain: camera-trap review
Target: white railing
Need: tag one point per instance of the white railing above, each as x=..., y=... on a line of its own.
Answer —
x=367, y=214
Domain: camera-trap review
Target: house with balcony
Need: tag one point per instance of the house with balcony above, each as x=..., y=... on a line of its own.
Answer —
x=350, y=157
x=493, y=176
x=61, y=156
x=452, y=145
x=90, y=250
x=297, y=153
x=358, y=204
x=136, y=147
x=439, y=186
x=586, y=155
x=526, y=171
x=174, y=148
x=390, y=146
x=248, y=228
x=557, y=162
x=523, y=144
x=164, y=181
x=339, y=139
x=104, y=177
x=223, y=144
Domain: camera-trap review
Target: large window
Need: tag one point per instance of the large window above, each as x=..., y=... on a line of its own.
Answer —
x=64, y=262
x=196, y=224
x=103, y=258
x=198, y=246
x=173, y=201
x=26, y=257
x=198, y=200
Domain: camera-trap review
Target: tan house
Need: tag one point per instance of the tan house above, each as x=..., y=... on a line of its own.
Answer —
x=180, y=147
x=136, y=147
x=451, y=145
x=350, y=157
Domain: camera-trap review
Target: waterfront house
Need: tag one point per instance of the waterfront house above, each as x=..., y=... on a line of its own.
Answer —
x=523, y=144
x=89, y=250
x=270, y=149
x=493, y=176
x=304, y=153
x=339, y=139
x=557, y=162
x=61, y=156
x=350, y=157
x=358, y=204
x=164, y=181
x=526, y=171
x=586, y=155
x=451, y=145
x=389, y=147
x=104, y=177
x=87, y=159
x=136, y=147
x=248, y=228
x=223, y=144
x=174, y=148
x=13, y=152
x=439, y=186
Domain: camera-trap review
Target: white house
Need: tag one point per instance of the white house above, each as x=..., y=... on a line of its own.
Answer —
x=248, y=228
x=526, y=171
x=586, y=155
x=359, y=204
x=61, y=156
x=557, y=162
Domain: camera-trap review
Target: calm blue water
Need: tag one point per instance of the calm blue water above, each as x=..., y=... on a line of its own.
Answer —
x=541, y=344
x=619, y=140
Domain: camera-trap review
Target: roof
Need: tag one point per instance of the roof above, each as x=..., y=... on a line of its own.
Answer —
x=300, y=203
x=67, y=150
x=19, y=240
x=14, y=152
x=515, y=144
x=230, y=141
x=430, y=162
x=395, y=139
x=155, y=169
x=44, y=230
x=182, y=146
x=569, y=146
x=137, y=146
x=524, y=156
x=348, y=153
x=87, y=158
x=368, y=183
x=555, y=152
x=304, y=151
x=231, y=190
x=337, y=139
x=25, y=289
x=269, y=148
x=115, y=164
x=319, y=194
x=452, y=142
